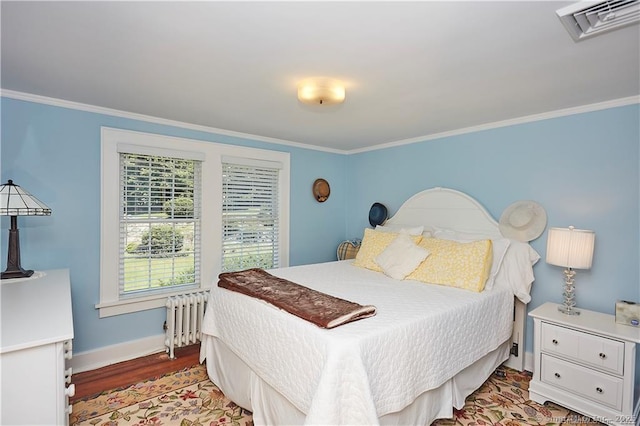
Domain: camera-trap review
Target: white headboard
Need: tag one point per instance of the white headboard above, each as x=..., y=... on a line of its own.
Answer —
x=451, y=209
x=446, y=208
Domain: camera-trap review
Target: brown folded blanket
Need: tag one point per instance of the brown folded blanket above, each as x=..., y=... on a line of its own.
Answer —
x=319, y=308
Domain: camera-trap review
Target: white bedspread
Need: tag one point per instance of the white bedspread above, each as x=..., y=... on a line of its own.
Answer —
x=421, y=336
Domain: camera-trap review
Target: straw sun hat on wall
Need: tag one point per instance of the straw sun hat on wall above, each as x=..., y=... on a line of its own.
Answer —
x=523, y=221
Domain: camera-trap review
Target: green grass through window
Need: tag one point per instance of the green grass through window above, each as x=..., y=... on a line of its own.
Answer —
x=143, y=273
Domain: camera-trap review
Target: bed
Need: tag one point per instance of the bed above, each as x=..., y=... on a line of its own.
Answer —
x=427, y=348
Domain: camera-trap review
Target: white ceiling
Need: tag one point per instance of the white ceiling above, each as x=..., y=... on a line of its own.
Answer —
x=412, y=69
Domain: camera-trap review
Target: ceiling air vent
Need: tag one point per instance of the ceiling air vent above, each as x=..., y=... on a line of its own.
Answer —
x=588, y=18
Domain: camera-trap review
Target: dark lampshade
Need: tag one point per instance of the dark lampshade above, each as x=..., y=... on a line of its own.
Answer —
x=14, y=202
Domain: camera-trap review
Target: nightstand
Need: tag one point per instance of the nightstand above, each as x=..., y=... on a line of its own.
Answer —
x=585, y=363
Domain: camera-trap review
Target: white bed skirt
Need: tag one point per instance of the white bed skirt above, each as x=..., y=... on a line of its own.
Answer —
x=240, y=384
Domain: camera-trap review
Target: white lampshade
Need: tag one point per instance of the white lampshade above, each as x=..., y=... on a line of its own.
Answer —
x=570, y=247
x=321, y=91
x=15, y=201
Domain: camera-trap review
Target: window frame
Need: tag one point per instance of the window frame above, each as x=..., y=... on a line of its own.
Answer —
x=254, y=166
x=148, y=222
x=211, y=154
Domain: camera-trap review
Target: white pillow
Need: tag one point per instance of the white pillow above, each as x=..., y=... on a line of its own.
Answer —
x=401, y=229
x=500, y=247
x=401, y=257
x=460, y=236
x=516, y=272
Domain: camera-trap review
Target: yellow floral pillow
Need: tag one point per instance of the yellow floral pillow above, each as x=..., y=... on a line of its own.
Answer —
x=374, y=243
x=455, y=264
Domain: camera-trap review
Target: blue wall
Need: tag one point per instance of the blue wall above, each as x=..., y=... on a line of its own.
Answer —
x=54, y=153
x=582, y=168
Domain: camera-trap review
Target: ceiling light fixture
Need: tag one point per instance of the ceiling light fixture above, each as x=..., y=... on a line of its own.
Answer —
x=321, y=91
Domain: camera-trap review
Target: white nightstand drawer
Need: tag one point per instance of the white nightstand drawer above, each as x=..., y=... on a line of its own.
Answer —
x=606, y=354
x=599, y=387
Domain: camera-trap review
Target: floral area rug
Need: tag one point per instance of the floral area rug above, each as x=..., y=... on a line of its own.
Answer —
x=504, y=400
x=189, y=398
x=183, y=398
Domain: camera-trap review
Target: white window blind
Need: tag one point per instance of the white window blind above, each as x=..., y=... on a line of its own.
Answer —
x=160, y=209
x=250, y=215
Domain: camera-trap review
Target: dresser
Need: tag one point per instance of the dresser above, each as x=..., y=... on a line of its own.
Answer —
x=586, y=363
x=36, y=326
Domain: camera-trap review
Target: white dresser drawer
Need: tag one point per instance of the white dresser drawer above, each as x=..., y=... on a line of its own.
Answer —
x=34, y=350
x=604, y=353
x=599, y=387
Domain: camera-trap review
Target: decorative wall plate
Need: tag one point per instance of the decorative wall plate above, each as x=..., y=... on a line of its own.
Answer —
x=321, y=190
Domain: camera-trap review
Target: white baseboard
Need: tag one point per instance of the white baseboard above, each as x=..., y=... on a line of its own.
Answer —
x=90, y=360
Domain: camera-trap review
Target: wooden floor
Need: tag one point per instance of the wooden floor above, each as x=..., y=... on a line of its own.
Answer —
x=126, y=373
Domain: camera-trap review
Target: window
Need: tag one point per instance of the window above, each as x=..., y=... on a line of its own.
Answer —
x=176, y=212
x=250, y=210
x=159, y=223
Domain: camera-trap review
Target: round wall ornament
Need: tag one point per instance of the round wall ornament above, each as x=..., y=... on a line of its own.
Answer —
x=321, y=190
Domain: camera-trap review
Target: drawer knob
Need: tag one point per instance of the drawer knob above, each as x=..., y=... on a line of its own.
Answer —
x=554, y=341
x=70, y=390
x=602, y=355
x=557, y=375
x=599, y=390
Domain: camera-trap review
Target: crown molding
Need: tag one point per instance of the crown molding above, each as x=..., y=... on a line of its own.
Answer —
x=156, y=120
x=488, y=126
x=505, y=123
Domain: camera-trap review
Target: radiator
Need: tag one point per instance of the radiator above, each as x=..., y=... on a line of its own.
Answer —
x=184, y=320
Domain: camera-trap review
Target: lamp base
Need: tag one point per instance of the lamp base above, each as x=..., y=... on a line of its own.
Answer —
x=569, y=303
x=18, y=273
x=567, y=310
x=14, y=270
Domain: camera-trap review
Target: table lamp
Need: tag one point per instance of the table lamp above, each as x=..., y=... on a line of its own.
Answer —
x=14, y=202
x=573, y=249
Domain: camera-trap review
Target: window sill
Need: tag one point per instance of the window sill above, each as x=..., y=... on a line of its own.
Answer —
x=127, y=306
